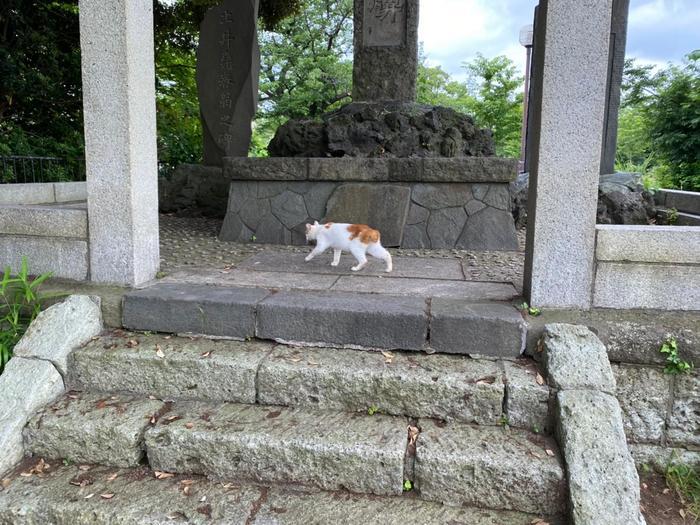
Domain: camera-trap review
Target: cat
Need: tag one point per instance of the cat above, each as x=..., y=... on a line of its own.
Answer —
x=358, y=239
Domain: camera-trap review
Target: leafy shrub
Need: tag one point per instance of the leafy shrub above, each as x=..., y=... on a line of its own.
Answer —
x=20, y=303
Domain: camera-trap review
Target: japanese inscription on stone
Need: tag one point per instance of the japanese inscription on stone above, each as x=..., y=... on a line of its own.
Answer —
x=227, y=71
x=384, y=23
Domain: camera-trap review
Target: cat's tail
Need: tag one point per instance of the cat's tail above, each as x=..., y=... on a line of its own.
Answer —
x=377, y=250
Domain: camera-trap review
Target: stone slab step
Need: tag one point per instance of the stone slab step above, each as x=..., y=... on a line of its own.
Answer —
x=92, y=428
x=60, y=496
x=489, y=467
x=455, y=463
x=329, y=318
x=408, y=384
x=329, y=450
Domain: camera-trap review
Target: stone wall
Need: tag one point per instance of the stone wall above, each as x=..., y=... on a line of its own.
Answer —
x=416, y=203
x=647, y=267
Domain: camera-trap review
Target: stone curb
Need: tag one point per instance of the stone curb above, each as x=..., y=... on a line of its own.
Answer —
x=600, y=470
x=34, y=377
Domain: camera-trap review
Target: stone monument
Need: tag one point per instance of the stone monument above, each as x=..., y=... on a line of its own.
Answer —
x=425, y=176
x=386, y=50
x=228, y=66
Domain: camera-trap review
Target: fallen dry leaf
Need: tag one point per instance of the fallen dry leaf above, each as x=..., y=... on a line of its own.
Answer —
x=666, y=490
x=163, y=475
x=159, y=352
x=187, y=482
x=549, y=452
x=294, y=359
x=107, y=496
x=132, y=343
x=540, y=346
x=313, y=363
x=6, y=483
x=645, y=486
x=204, y=498
x=89, y=496
x=186, y=490
x=539, y=379
x=152, y=398
x=412, y=434
x=189, y=425
x=539, y=521
x=682, y=513
x=206, y=354
x=153, y=419
x=172, y=418
x=388, y=357
x=113, y=476
x=489, y=380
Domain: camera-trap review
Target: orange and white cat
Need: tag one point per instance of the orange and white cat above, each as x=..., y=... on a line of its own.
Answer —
x=358, y=239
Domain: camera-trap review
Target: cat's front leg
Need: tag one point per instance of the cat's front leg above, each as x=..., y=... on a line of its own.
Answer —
x=336, y=257
x=316, y=251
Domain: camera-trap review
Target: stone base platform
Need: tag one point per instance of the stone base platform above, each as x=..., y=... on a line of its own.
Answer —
x=415, y=202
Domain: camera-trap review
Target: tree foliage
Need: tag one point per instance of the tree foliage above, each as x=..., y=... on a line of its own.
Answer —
x=498, y=100
x=659, y=126
x=40, y=81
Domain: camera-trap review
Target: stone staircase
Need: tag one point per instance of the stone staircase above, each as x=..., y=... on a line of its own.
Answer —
x=166, y=428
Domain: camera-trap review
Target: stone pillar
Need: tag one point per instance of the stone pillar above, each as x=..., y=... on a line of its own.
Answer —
x=572, y=39
x=228, y=67
x=386, y=50
x=618, y=42
x=116, y=41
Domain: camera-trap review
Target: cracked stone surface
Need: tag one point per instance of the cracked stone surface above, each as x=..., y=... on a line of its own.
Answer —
x=98, y=428
x=184, y=369
x=135, y=496
x=491, y=467
x=433, y=386
x=276, y=444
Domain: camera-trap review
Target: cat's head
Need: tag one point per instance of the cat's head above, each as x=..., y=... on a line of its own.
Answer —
x=312, y=231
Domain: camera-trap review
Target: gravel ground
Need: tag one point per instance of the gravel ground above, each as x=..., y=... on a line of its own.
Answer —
x=186, y=243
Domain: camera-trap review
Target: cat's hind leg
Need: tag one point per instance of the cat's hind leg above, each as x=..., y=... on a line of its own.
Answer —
x=336, y=257
x=378, y=251
x=358, y=251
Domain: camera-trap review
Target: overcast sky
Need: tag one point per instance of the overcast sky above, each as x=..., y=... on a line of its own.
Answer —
x=453, y=31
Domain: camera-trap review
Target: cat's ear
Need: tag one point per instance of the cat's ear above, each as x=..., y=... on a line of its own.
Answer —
x=315, y=223
x=308, y=228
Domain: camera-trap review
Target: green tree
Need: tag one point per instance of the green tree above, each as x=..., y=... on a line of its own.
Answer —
x=659, y=126
x=435, y=87
x=496, y=90
x=40, y=81
x=306, y=65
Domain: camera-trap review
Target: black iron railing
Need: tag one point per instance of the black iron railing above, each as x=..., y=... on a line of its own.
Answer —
x=24, y=169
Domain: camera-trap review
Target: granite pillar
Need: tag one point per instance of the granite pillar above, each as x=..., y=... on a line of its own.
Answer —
x=572, y=41
x=386, y=50
x=116, y=41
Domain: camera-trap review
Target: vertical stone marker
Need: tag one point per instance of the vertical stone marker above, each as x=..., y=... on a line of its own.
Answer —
x=228, y=66
x=570, y=72
x=386, y=50
x=119, y=100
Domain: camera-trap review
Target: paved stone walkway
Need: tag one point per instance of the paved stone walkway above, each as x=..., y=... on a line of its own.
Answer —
x=188, y=243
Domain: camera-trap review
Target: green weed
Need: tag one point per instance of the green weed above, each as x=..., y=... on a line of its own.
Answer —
x=20, y=303
x=685, y=480
x=674, y=363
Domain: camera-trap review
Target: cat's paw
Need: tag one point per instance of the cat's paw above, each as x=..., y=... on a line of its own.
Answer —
x=308, y=258
x=388, y=270
x=356, y=268
x=334, y=264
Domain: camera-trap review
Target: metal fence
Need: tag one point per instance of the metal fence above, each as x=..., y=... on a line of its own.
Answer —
x=21, y=169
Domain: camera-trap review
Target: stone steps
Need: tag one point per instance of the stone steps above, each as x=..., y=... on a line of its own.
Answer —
x=447, y=387
x=330, y=318
x=62, y=495
x=452, y=463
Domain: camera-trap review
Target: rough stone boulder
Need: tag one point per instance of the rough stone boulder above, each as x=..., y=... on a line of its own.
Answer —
x=384, y=129
x=622, y=199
